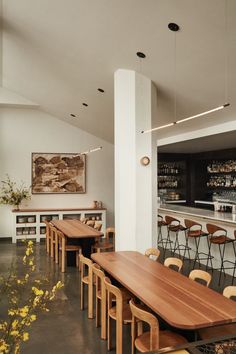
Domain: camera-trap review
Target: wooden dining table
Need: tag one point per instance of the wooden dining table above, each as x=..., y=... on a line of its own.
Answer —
x=180, y=301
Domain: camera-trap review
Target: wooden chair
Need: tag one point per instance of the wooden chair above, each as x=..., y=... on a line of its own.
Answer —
x=90, y=223
x=63, y=248
x=200, y=274
x=120, y=312
x=106, y=244
x=100, y=297
x=86, y=278
x=48, y=236
x=53, y=243
x=84, y=220
x=176, y=262
x=98, y=226
x=214, y=332
x=152, y=253
x=153, y=339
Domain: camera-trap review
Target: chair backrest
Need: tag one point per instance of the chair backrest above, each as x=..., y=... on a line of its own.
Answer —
x=171, y=261
x=86, y=263
x=53, y=231
x=98, y=226
x=99, y=278
x=152, y=253
x=171, y=221
x=48, y=230
x=116, y=292
x=90, y=223
x=60, y=236
x=229, y=291
x=84, y=220
x=192, y=224
x=200, y=274
x=235, y=234
x=213, y=230
x=139, y=314
x=110, y=233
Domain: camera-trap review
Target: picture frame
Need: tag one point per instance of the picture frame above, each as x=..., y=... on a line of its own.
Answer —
x=58, y=173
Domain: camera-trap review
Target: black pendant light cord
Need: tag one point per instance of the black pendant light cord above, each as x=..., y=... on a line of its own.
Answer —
x=175, y=78
x=226, y=53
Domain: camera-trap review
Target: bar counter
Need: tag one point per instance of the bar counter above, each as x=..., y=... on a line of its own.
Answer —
x=209, y=215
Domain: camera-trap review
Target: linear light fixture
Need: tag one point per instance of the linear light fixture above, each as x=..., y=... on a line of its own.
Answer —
x=186, y=119
x=91, y=150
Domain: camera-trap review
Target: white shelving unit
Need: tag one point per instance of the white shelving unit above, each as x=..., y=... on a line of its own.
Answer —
x=29, y=223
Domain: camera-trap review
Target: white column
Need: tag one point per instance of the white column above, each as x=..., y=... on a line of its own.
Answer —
x=135, y=184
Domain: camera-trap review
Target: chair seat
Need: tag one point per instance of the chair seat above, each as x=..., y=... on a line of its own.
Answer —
x=125, y=294
x=213, y=332
x=103, y=245
x=85, y=279
x=127, y=316
x=196, y=233
x=176, y=228
x=72, y=248
x=220, y=239
x=162, y=223
x=166, y=339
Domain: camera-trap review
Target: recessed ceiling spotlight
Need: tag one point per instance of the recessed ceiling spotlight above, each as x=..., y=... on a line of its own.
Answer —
x=101, y=90
x=173, y=27
x=85, y=104
x=141, y=55
x=73, y=115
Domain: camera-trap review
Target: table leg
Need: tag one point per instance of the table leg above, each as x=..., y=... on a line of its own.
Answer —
x=56, y=249
x=63, y=247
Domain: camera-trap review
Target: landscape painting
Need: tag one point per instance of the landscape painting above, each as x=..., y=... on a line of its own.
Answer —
x=58, y=173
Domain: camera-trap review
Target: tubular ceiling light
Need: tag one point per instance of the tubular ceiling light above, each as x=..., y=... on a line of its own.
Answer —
x=89, y=151
x=186, y=119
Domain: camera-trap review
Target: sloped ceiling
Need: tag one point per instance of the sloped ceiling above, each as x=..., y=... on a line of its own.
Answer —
x=58, y=52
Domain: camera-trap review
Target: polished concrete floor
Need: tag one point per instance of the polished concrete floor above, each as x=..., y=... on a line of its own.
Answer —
x=66, y=329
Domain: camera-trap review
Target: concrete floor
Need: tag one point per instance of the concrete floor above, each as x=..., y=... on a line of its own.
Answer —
x=66, y=329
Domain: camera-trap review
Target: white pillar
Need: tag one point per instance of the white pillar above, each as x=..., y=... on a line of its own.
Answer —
x=135, y=184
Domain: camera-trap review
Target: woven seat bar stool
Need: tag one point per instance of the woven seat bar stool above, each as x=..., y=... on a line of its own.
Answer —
x=154, y=339
x=233, y=263
x=194, y=231
x=218, y=236
x=160, y=223
x=174, y=226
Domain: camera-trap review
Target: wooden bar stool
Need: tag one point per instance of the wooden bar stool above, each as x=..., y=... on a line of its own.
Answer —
x=86, y=278
x=48, y=236
x=120, y=312
x=107, y=243
x=174, y=262
x=194, y=231
x=174, y=226
x=218, y=236
x=200, y=274
x=214, y=332
x=154, y=339
x=64, y=248
x=152, y=253
x=100, y=297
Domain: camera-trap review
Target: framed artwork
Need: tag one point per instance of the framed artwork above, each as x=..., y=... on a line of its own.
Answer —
x=58, y=173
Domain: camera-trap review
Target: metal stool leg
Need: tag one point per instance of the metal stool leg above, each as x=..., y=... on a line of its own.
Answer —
x=222, y=253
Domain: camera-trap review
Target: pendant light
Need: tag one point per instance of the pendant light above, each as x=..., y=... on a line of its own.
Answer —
x=175, y=28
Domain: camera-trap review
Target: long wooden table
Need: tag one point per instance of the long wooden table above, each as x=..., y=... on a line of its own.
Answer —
x=180, y=301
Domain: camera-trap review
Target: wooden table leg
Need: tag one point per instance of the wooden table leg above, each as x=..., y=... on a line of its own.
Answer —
x=56, y=249
x=52, y=248
x=63, y=247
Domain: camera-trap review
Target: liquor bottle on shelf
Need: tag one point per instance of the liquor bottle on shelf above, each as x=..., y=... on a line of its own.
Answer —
x=222, y=166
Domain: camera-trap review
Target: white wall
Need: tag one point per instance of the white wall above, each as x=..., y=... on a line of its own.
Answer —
x=23, y=131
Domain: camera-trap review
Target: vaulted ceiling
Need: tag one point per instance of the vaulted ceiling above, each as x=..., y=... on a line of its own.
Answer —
x=57, y=53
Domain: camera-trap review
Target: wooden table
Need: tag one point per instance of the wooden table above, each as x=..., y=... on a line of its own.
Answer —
x=180, y=301
x=74, y=229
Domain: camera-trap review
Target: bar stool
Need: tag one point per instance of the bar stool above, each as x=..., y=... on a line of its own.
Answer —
x=174, y=226
x=161, y=223
x=153, y=339
x=232, y=262
x=120, y=312
x=218, y=236
x=194, y=230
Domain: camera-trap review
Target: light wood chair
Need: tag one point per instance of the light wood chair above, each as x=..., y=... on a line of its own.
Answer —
x=63, y=248
x=214, y=332
x=107, y=243
x=84, y=220
x=48, y=236
x=200, y=274
x=90, y=223
x=53, y=243
x=152, y=253
x=176, y=262
x=120, y=312
x=100, y=298
x=86, y=278
x=98, y=226
x=153, y=339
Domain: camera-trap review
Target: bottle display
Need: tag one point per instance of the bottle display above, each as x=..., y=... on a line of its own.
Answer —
x=222, y=166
